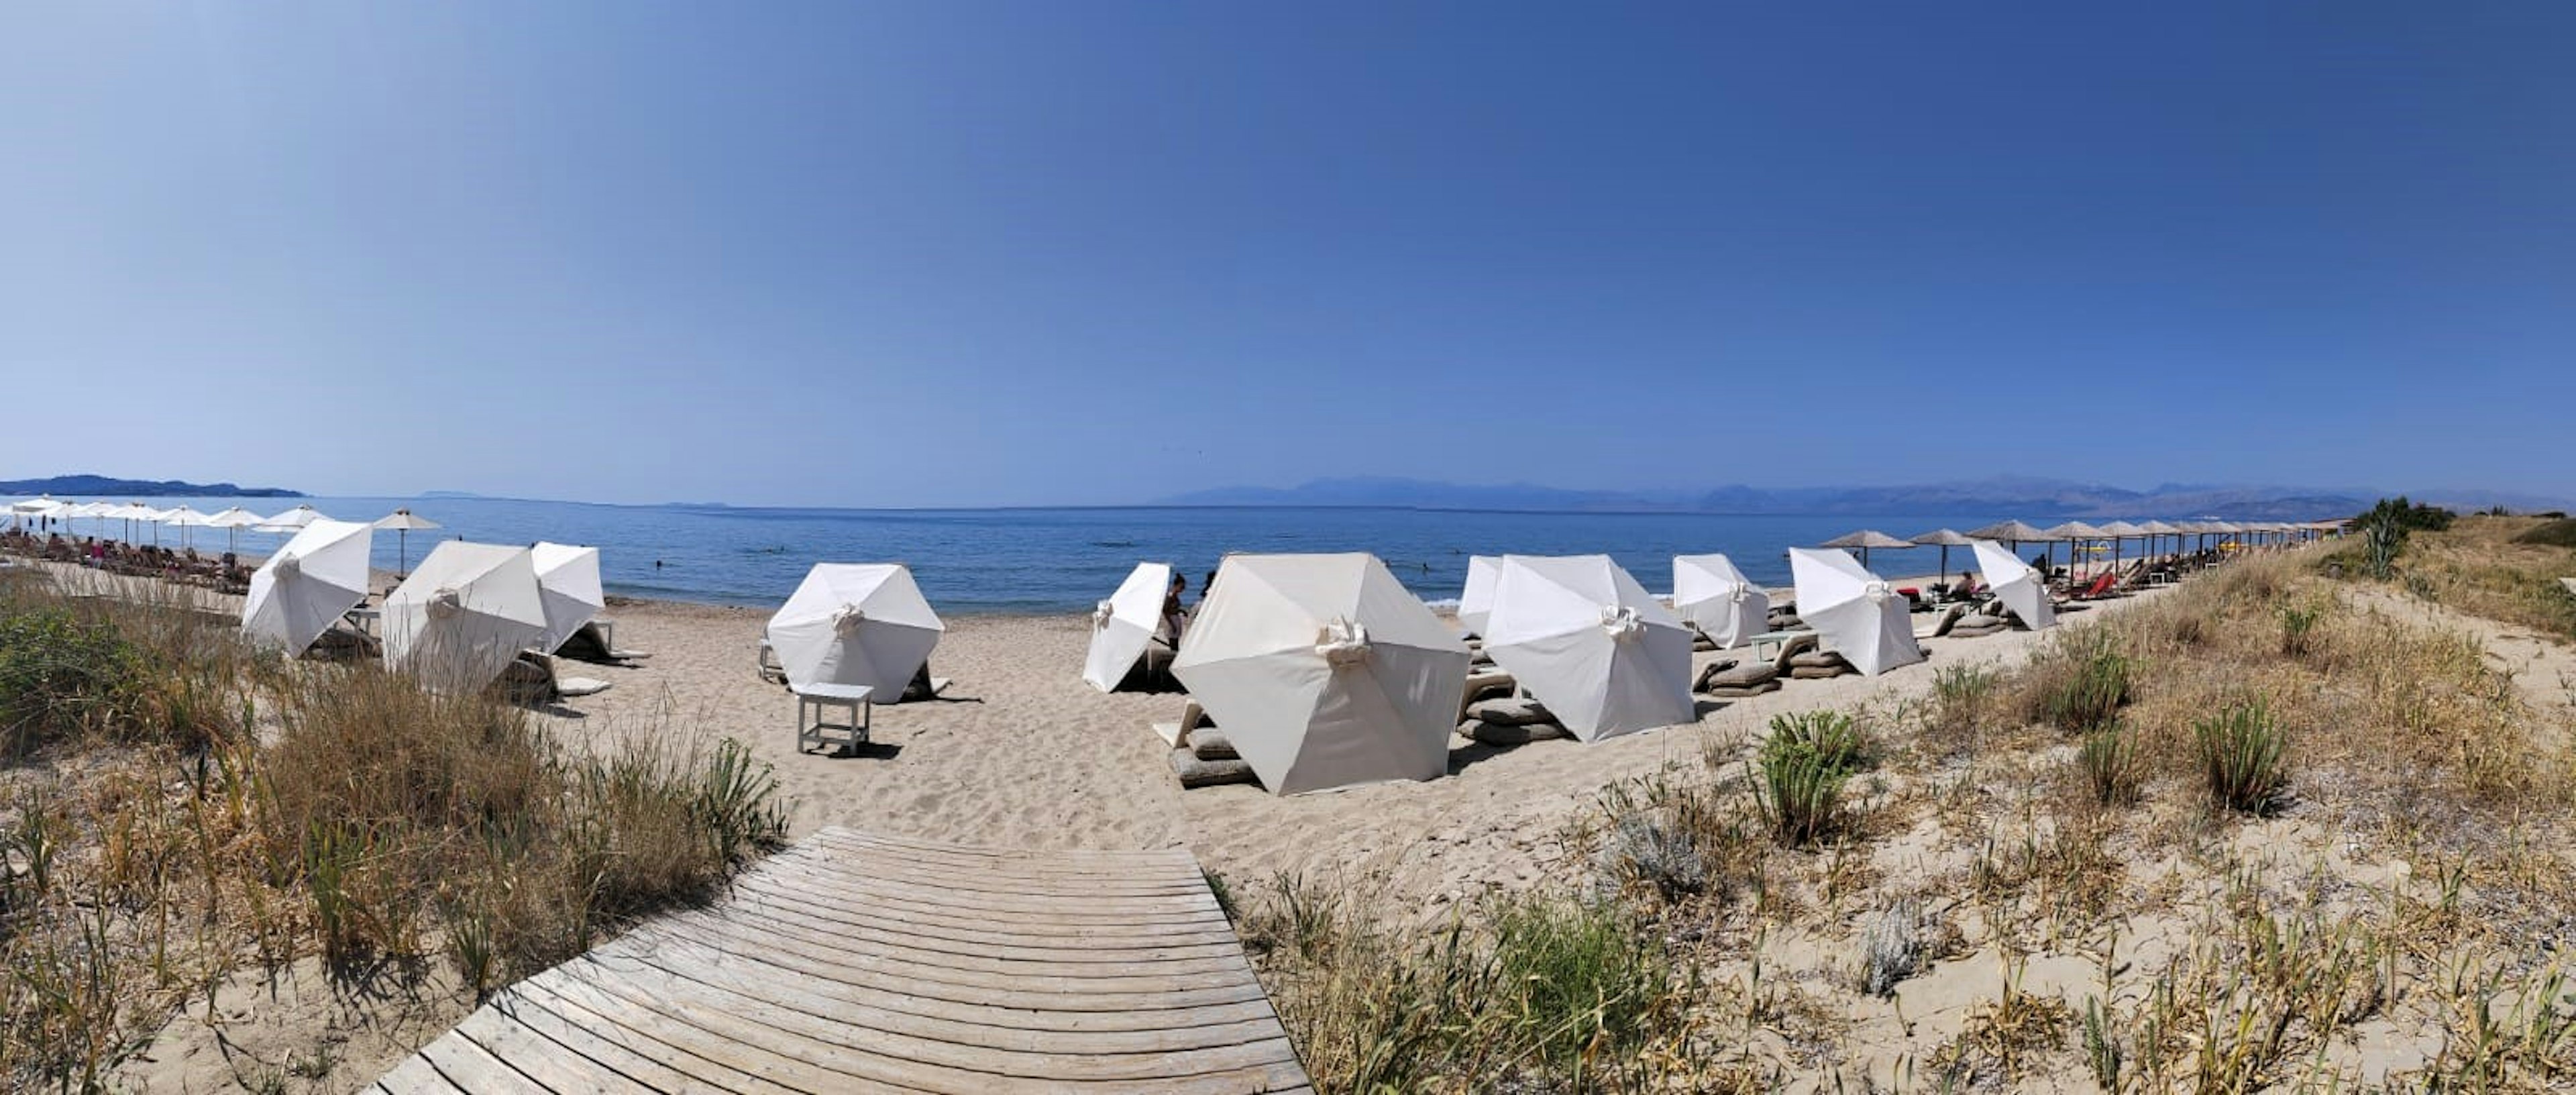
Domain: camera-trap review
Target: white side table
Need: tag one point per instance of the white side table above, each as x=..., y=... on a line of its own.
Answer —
x=815, y=705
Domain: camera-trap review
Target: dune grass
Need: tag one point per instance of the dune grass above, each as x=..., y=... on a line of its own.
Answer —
x=2502, y=568
x=185, y=806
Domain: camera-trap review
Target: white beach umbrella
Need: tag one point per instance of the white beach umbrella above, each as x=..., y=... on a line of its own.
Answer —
x=1855, y=611
x=38, y=506
x=464, y=615
x=232, y=521
x=402, y=521
x=2019, y=587
x=307, y=585
x=1712, y=595
x=291, y=520
x=1324, y=671
x=568, y=585
x=1125, y=624
x=1587, y=641
x=183, y=518
x=856, y=624
x=1476, y=602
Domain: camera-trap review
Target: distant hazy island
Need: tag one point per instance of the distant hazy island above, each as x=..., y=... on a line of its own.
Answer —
x=84, y=486
x=2022, y=496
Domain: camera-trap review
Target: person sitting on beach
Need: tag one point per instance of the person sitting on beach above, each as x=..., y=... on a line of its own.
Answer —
x=1175, y=618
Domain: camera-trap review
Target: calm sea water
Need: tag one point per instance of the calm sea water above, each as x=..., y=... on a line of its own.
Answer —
x=1063, y=560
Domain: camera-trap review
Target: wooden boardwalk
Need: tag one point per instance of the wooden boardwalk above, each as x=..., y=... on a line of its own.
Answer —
x=860, y=963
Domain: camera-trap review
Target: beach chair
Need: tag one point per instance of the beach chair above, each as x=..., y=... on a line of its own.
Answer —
x=1177, y=734
x=530, y=680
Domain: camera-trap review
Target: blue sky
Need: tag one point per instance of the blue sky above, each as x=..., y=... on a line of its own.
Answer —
x=1007, y=253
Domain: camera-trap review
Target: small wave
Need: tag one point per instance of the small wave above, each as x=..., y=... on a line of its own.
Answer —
x=1113, y=543
x=1441, y=604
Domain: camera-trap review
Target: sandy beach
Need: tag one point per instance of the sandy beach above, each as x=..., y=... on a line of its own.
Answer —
x=1021, y=753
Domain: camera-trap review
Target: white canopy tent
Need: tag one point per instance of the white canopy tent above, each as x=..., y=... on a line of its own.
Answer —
x=1125, y=625
x=307, y=585
x=1587, y=641
x=1712, y=595
x=858, y=624
x=568, y=588
x=1476, y=602
x=1855, y=611
x=464, y=615
x=1324, y=671
x=2020, y=588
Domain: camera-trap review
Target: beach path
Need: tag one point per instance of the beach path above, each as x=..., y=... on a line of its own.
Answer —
x=859, y=962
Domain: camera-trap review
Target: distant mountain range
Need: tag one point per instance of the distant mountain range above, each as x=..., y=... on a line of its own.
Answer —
x=100, y=486
x=2018, y=496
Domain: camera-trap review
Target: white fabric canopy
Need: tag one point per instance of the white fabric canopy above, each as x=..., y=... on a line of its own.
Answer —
x=35, y=507
x=856, y=624
x=1587, y=641
x=307, y=586
x=403, y=520
x=1854, y=611
x=1712, y=595
x=235, y=517
x=1125, y=624
x=2019, y=587
x=464, y=615
x=1324, y=671
x=568, y=588
x=1476, y=602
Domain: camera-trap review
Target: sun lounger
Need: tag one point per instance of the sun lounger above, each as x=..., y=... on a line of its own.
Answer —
x=1177, y=734
x=853, y=962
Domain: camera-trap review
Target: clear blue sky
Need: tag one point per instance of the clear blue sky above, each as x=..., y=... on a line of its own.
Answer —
x=1094, y=252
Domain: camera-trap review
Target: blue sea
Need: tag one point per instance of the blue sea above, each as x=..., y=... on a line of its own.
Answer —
x=1060, y=560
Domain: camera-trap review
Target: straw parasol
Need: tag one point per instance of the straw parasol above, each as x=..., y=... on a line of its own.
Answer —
x=1864, y=540
x=1945, y=539
x=2071, y=532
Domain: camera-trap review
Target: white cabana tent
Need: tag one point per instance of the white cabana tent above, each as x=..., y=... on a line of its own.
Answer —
x=568, y=588
x=1709, y=593
x=858, y=624
x=307, y=585
x=1476, y=602
x=1125, y=624
x=1855, y=611
x=464, y=615
x=1584, y=639
x=2020, y=588
x=1324, y=671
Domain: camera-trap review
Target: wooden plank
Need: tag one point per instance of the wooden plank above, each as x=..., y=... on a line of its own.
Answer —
x=413, y=1076
x=1065, y=907
x=470, y=1068
x=541, y=1059
x=1174, y=865
x=1001, y=993
x=1106, y=992
x=714, y=1064
x=966, y=943
x=899, y=1058
x=990, y=1027
x=909, y=907
x=653, y=1065
x=1171, y=972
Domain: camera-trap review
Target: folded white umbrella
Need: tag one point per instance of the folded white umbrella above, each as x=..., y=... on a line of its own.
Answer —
x=568, y=585
x=2020, y=588
x=1476, y=602
x=1591, y=644
x=464, y=615
x=1853, y=610
x=1124, y=625
x=307, y=586
x=856, y=624
x=1324, y=671
x=291, y=520
x=1712, y=595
